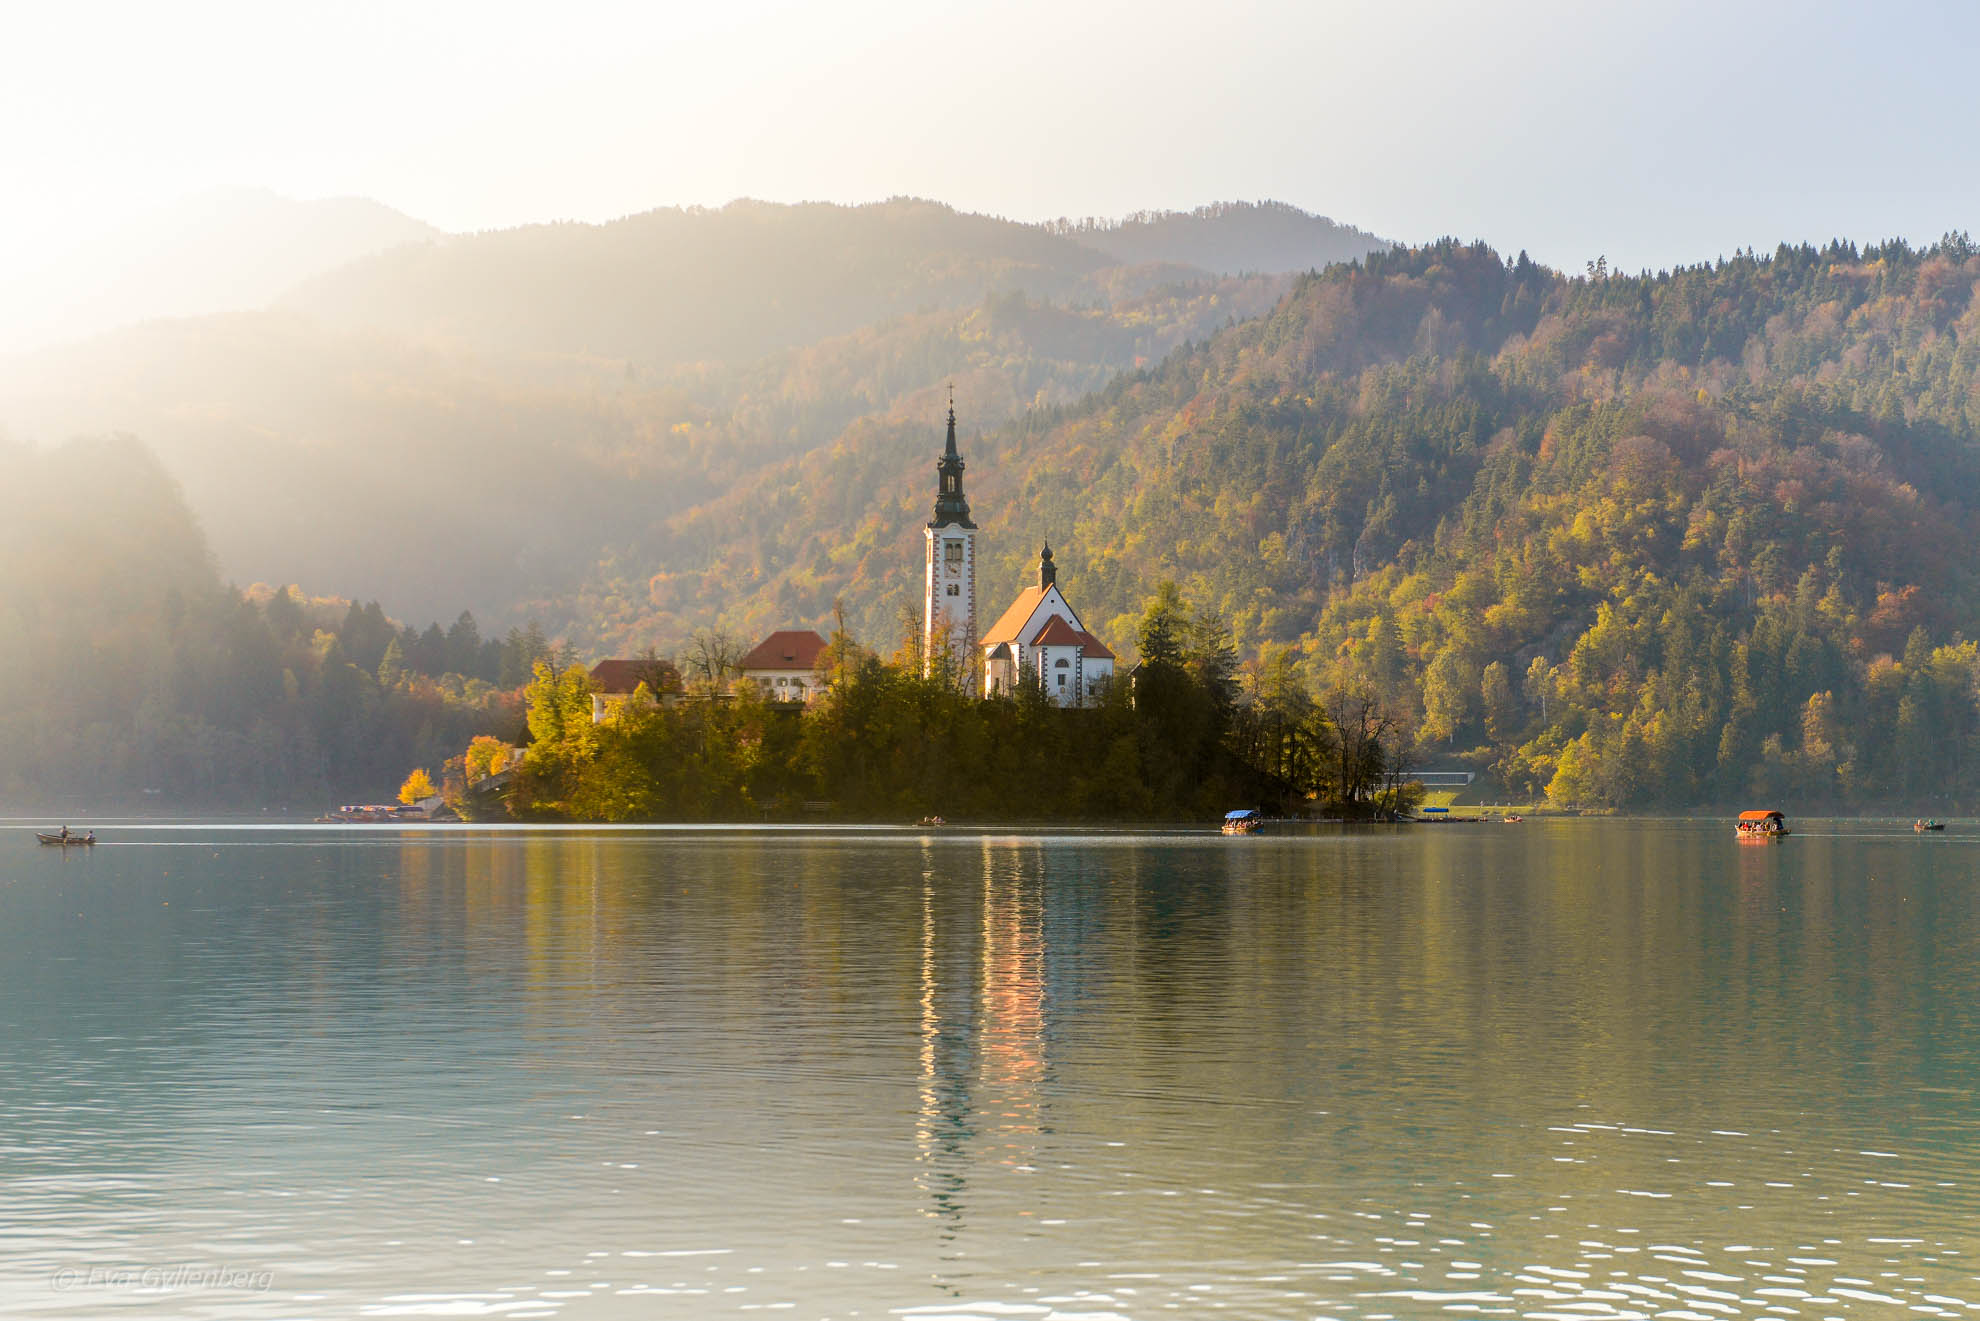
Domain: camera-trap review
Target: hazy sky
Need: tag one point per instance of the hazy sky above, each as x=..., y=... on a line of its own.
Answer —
x=1649, y=133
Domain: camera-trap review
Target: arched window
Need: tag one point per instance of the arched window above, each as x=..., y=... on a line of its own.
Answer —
x=1061, y=663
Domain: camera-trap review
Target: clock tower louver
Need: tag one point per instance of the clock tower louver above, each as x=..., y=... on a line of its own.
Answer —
x=948, y=608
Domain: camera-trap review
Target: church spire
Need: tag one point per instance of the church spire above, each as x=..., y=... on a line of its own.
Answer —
x=951, y=508
x=1048, y=573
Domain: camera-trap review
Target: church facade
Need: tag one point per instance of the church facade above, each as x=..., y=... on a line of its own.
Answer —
x=1039, y=637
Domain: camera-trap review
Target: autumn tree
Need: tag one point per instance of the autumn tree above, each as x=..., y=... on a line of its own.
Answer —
x=418, y=785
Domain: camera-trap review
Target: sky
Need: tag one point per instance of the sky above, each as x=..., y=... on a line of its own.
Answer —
x=1647, y=133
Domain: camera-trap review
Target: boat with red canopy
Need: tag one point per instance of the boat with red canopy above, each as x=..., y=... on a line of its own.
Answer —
x=1762, y=823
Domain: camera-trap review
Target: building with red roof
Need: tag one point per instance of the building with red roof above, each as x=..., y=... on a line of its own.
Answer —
x=615, y=682
x=785, y=665
x=1040, y=637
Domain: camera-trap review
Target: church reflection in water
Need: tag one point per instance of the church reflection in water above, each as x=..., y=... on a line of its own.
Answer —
x=983, y=1017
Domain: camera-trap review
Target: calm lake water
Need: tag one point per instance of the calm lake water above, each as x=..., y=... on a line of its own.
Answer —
x=1563, y=1069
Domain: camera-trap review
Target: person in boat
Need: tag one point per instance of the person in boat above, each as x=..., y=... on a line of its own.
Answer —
x=65, y=834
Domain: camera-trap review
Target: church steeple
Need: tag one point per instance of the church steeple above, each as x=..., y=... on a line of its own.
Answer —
x=951, y=508
x=949, y=606
x=1048, y=574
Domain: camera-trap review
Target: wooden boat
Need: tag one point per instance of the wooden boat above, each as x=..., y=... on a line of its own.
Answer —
x=1762, y=823
x=1244, y=821
x=66, y=841
x=1922, y=826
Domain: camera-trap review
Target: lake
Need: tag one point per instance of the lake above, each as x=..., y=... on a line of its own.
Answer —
x=1558, y=1069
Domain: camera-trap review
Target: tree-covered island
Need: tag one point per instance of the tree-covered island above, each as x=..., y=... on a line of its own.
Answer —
x=1187, y=736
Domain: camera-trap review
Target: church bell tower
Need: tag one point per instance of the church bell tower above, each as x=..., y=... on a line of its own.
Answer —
x=948, y=608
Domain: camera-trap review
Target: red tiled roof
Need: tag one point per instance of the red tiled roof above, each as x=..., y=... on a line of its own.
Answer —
x=1057, y=633
x=1095, y=648
x=786, y=649
x=622, y=677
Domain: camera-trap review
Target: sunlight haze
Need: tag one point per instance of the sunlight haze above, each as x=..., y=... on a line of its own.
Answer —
x=1567, y=130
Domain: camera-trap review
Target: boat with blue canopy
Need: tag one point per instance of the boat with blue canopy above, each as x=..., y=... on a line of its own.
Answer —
x=1244, y=821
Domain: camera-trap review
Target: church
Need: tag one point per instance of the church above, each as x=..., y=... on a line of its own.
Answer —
x=1039, y=637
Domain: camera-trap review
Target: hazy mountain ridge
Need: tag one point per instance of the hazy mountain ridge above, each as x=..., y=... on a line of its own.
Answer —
x=691, y=284
x=1228, y=238
x=731, y=285
x=375, y=461
x=220, y=252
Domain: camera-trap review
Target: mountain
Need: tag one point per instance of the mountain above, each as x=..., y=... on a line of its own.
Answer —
x=1698, y=536
x=1228, y=238
x=457, y=423
x=693, y=285
x=219, y=252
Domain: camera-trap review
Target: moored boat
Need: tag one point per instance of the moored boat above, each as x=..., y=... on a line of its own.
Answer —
x=1927, y=824
x=1762, y=823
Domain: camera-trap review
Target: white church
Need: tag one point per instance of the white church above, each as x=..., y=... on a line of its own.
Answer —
x=1038, y=637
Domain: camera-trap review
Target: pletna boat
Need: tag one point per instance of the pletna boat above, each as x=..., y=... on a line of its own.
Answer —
x=1762, y=823
x=1244, y=821
x=66, y=840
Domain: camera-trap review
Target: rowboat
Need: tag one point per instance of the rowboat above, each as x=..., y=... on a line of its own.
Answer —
x=66, y=841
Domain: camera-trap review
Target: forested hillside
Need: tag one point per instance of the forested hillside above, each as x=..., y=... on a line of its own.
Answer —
x=1635, y=540
x=129, y=674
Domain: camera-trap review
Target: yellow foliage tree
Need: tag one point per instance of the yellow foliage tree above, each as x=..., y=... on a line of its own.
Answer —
x=418, y=785
x=486, y=756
